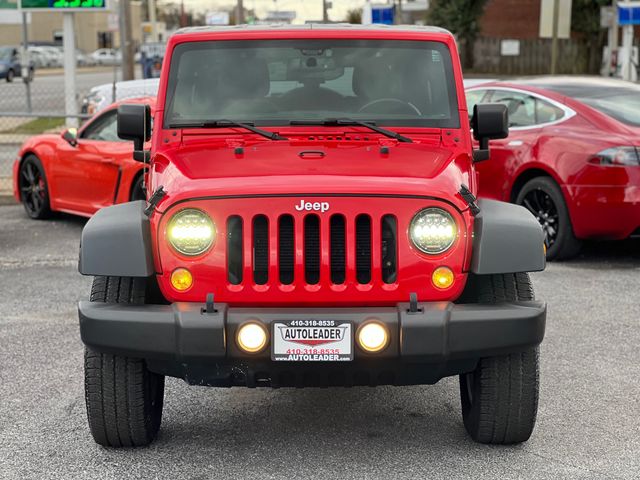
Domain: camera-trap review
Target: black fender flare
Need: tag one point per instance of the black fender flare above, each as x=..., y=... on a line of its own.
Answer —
x=116, y=242
x=507, y=239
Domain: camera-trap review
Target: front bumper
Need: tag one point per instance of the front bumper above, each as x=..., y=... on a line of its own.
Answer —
x=438, y=340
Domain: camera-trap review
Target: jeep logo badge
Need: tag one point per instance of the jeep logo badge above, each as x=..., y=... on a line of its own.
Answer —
x=315, y=206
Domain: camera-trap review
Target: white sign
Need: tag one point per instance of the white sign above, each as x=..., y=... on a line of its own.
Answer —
x=564, y=18
x=509, y=48
x=217, y=18
x=113, y=24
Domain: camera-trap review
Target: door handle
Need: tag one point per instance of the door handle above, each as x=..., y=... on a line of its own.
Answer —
x=107, y=160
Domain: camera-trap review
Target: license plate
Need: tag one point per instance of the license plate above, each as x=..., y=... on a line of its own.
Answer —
x=312, y=341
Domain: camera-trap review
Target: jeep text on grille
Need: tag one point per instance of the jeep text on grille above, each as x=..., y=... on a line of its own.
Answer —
x=311, y=220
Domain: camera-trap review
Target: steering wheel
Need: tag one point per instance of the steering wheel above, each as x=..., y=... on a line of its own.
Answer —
x=410, y=105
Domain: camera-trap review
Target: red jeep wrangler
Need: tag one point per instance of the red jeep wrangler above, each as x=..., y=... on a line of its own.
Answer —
x=311, y=221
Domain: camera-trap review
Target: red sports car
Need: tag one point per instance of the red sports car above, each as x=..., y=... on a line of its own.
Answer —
x=572, y=156
x=79, y=171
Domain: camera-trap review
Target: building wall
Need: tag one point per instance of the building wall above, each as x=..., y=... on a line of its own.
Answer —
x=88, y=25
x=518, y=19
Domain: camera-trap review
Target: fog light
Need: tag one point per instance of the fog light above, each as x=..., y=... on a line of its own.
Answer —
x=442, y=277
x=252, y=337
x=373, y=337
x=181, y=279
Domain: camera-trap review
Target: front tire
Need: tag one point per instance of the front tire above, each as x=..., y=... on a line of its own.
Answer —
x=34, y=190
x=124, y=398
x=10, y=76
x=500, y=397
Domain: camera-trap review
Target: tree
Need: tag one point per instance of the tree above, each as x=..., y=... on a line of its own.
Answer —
x=585, y=20
x=461, y=17
x=354, y=16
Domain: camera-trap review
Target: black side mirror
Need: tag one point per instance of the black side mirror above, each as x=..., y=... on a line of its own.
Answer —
x=134, y=123
x=70, y=135
x=489, y=121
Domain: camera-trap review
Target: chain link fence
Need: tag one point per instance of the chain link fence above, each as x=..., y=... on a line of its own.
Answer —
x=46, y=115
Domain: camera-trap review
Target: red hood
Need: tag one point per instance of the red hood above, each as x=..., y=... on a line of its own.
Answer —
x=201, y=169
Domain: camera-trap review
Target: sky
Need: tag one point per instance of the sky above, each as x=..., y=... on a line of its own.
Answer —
x=305, y=9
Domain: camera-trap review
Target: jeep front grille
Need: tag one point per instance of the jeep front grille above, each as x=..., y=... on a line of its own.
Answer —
x=288, y=249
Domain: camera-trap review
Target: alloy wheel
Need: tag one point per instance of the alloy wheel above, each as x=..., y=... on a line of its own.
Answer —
x=544, y=209
x=32, y=188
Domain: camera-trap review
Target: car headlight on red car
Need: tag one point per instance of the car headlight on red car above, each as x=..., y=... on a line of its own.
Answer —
x=617, y=156
x=433, y=231
x=191, y=232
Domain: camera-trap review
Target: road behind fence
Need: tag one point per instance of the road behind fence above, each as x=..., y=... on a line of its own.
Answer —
x=17, y=123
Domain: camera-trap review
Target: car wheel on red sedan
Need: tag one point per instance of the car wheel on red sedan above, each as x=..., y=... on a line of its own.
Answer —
x=34, y=191
x=543, y=197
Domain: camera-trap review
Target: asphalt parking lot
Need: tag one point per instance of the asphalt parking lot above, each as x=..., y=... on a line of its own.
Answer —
x=588, y=423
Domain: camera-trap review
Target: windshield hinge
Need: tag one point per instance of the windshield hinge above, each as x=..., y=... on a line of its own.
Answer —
x=154, y=199
x=470, y=198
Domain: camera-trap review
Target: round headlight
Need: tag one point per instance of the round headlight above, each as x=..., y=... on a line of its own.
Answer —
x=191, y=232
x=433, y=230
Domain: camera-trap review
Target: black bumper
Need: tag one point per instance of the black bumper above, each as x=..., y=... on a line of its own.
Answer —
x=439, y=340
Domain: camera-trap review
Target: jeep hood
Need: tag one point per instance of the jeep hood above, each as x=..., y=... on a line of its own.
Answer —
x=273, y=168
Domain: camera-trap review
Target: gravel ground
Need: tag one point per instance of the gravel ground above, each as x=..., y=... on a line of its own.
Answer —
x=588, y=420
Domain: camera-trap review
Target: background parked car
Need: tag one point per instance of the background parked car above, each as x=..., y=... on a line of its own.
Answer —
x=101, y=96
x=107, y=56
x=10, y=64
x=79, y=171
x=572, y=156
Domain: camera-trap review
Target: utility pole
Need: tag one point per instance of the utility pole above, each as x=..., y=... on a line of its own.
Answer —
x=25, y=60
x=151, y=4
x=554, y=36
x=126, y=44
x=239, y=13
x=325, y=14
x=69, y=46
x=398, y=17
x=629, y=68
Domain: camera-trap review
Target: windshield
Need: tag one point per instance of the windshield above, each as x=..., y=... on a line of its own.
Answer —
x=275, y=82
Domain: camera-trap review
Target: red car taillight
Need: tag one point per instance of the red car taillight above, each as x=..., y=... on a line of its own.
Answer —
x=617, y=156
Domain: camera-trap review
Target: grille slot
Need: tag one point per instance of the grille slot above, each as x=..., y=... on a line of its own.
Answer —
x=337, y=249
x=286, y=252
x=234, y=250
x=363, y=248
x=312, y=249
x=260, y=249
x=389, y=249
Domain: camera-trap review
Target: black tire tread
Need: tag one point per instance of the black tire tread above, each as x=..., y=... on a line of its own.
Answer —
x=505, y=388
x=119, y=390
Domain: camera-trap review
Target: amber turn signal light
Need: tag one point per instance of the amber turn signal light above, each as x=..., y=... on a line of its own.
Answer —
x=442, y=277
x=181, y=279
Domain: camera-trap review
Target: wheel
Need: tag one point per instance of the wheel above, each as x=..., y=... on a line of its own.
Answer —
x=124, y=398
x=10, y=75
x=34, y=191
x=543, y=197
x=137, y=191
x=500, y=397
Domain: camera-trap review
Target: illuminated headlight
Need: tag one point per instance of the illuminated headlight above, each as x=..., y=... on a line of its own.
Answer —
x=191, y=232
x=433, y=230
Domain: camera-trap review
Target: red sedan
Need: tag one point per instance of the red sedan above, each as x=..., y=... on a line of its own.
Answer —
x=572, y=156
x=79, y=171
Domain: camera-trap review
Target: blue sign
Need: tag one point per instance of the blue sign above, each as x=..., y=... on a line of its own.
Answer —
x=382, y=14
x=629, y=14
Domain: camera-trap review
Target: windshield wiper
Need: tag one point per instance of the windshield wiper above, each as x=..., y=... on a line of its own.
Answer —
x=334, y=122
x=228, y=123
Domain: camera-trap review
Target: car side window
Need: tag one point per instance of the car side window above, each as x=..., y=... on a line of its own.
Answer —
x=104, y=128
x=521, y=107
x=546, y=112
